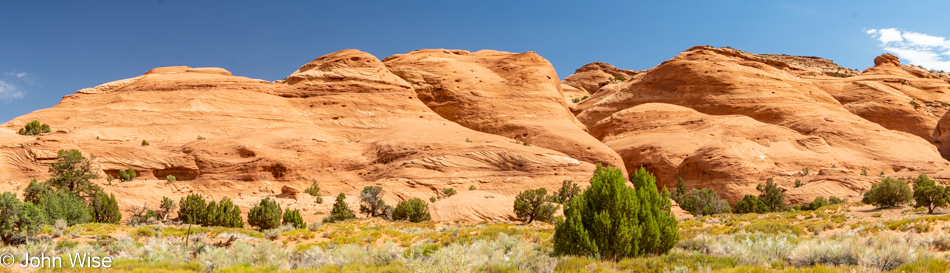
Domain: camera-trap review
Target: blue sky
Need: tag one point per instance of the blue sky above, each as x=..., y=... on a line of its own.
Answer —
x=49, y=49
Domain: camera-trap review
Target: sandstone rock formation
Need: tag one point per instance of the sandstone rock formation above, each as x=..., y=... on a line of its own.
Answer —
x=420, y=122
x=513, y=95
x=342, y=119
x=795, y=122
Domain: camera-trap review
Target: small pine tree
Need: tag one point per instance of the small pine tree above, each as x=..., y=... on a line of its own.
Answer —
x=265, y=215
x=314, y=190
x=144, y=143
x=105, y=209
x=166, y=208
x=532, y=205
x=35, y=191
x=611, y=220
x=928, y=194
x=224, y=214
x=34, y=128
x=772, y=196
x=413, y=210
x=340, y=212
x=819, y=202
x=192, y=209
x=679, y=191
x=568, y=190
x=750, y=204
x=888, y=193
x=292, y=217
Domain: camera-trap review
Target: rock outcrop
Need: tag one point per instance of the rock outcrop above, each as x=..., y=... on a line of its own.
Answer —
x=513, y=95
x=796, y=122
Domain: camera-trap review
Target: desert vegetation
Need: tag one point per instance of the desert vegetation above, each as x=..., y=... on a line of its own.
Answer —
x=615, y=224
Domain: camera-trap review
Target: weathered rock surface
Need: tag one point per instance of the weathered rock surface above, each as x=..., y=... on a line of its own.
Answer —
x=343, y=119
x=795, y=122
x=513, y=95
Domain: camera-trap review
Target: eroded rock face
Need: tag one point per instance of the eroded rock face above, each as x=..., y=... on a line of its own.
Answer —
x=795, y=122
x=508, y=94
x=343, y=120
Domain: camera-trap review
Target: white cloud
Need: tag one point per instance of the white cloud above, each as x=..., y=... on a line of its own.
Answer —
x=18, y=75
x=931, y=52
x=9, y=91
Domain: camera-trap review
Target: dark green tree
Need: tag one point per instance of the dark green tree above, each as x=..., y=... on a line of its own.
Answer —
x=18, y=218
x=372, y=204
x=224, y=214
x=413, y=210
x=928, y=194
x=533, y=205
x=750, y=204
x=888, y=193
x=73, y=172
x=293, y=218
x=67, y=206
x=340, y=212
x=35, y=192
x=34, y=128
x=192, y=209
x=819, y=202
x=568, y=190
x=772, y=196
x=105, y=209
x=611, y=220
x=265, y=215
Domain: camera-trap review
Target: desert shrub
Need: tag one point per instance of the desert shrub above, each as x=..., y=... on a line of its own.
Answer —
x=17, y=217
x=533, y=205
x=265, y=215
x=144, y=142
x=170, y=179
x=314, y=226
x=105, y=209
x=166, y=208
x=127, y=175
x=67, y=206
x=611, y=220
x=834, y=200
x=798, y=183
x=819, y=202
x=340, y=212
x=704, y=202
x=568, y=190
x=372, y=204
x=34, y=128
x=432, y=199
x=314, y=190
x=224, y=214
x=888, y=193
x=292, y=217
x=448, y=192
x=413, y=210
x=192, y=209
x=772, y=196
x=928, y=194
x=751, y=204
